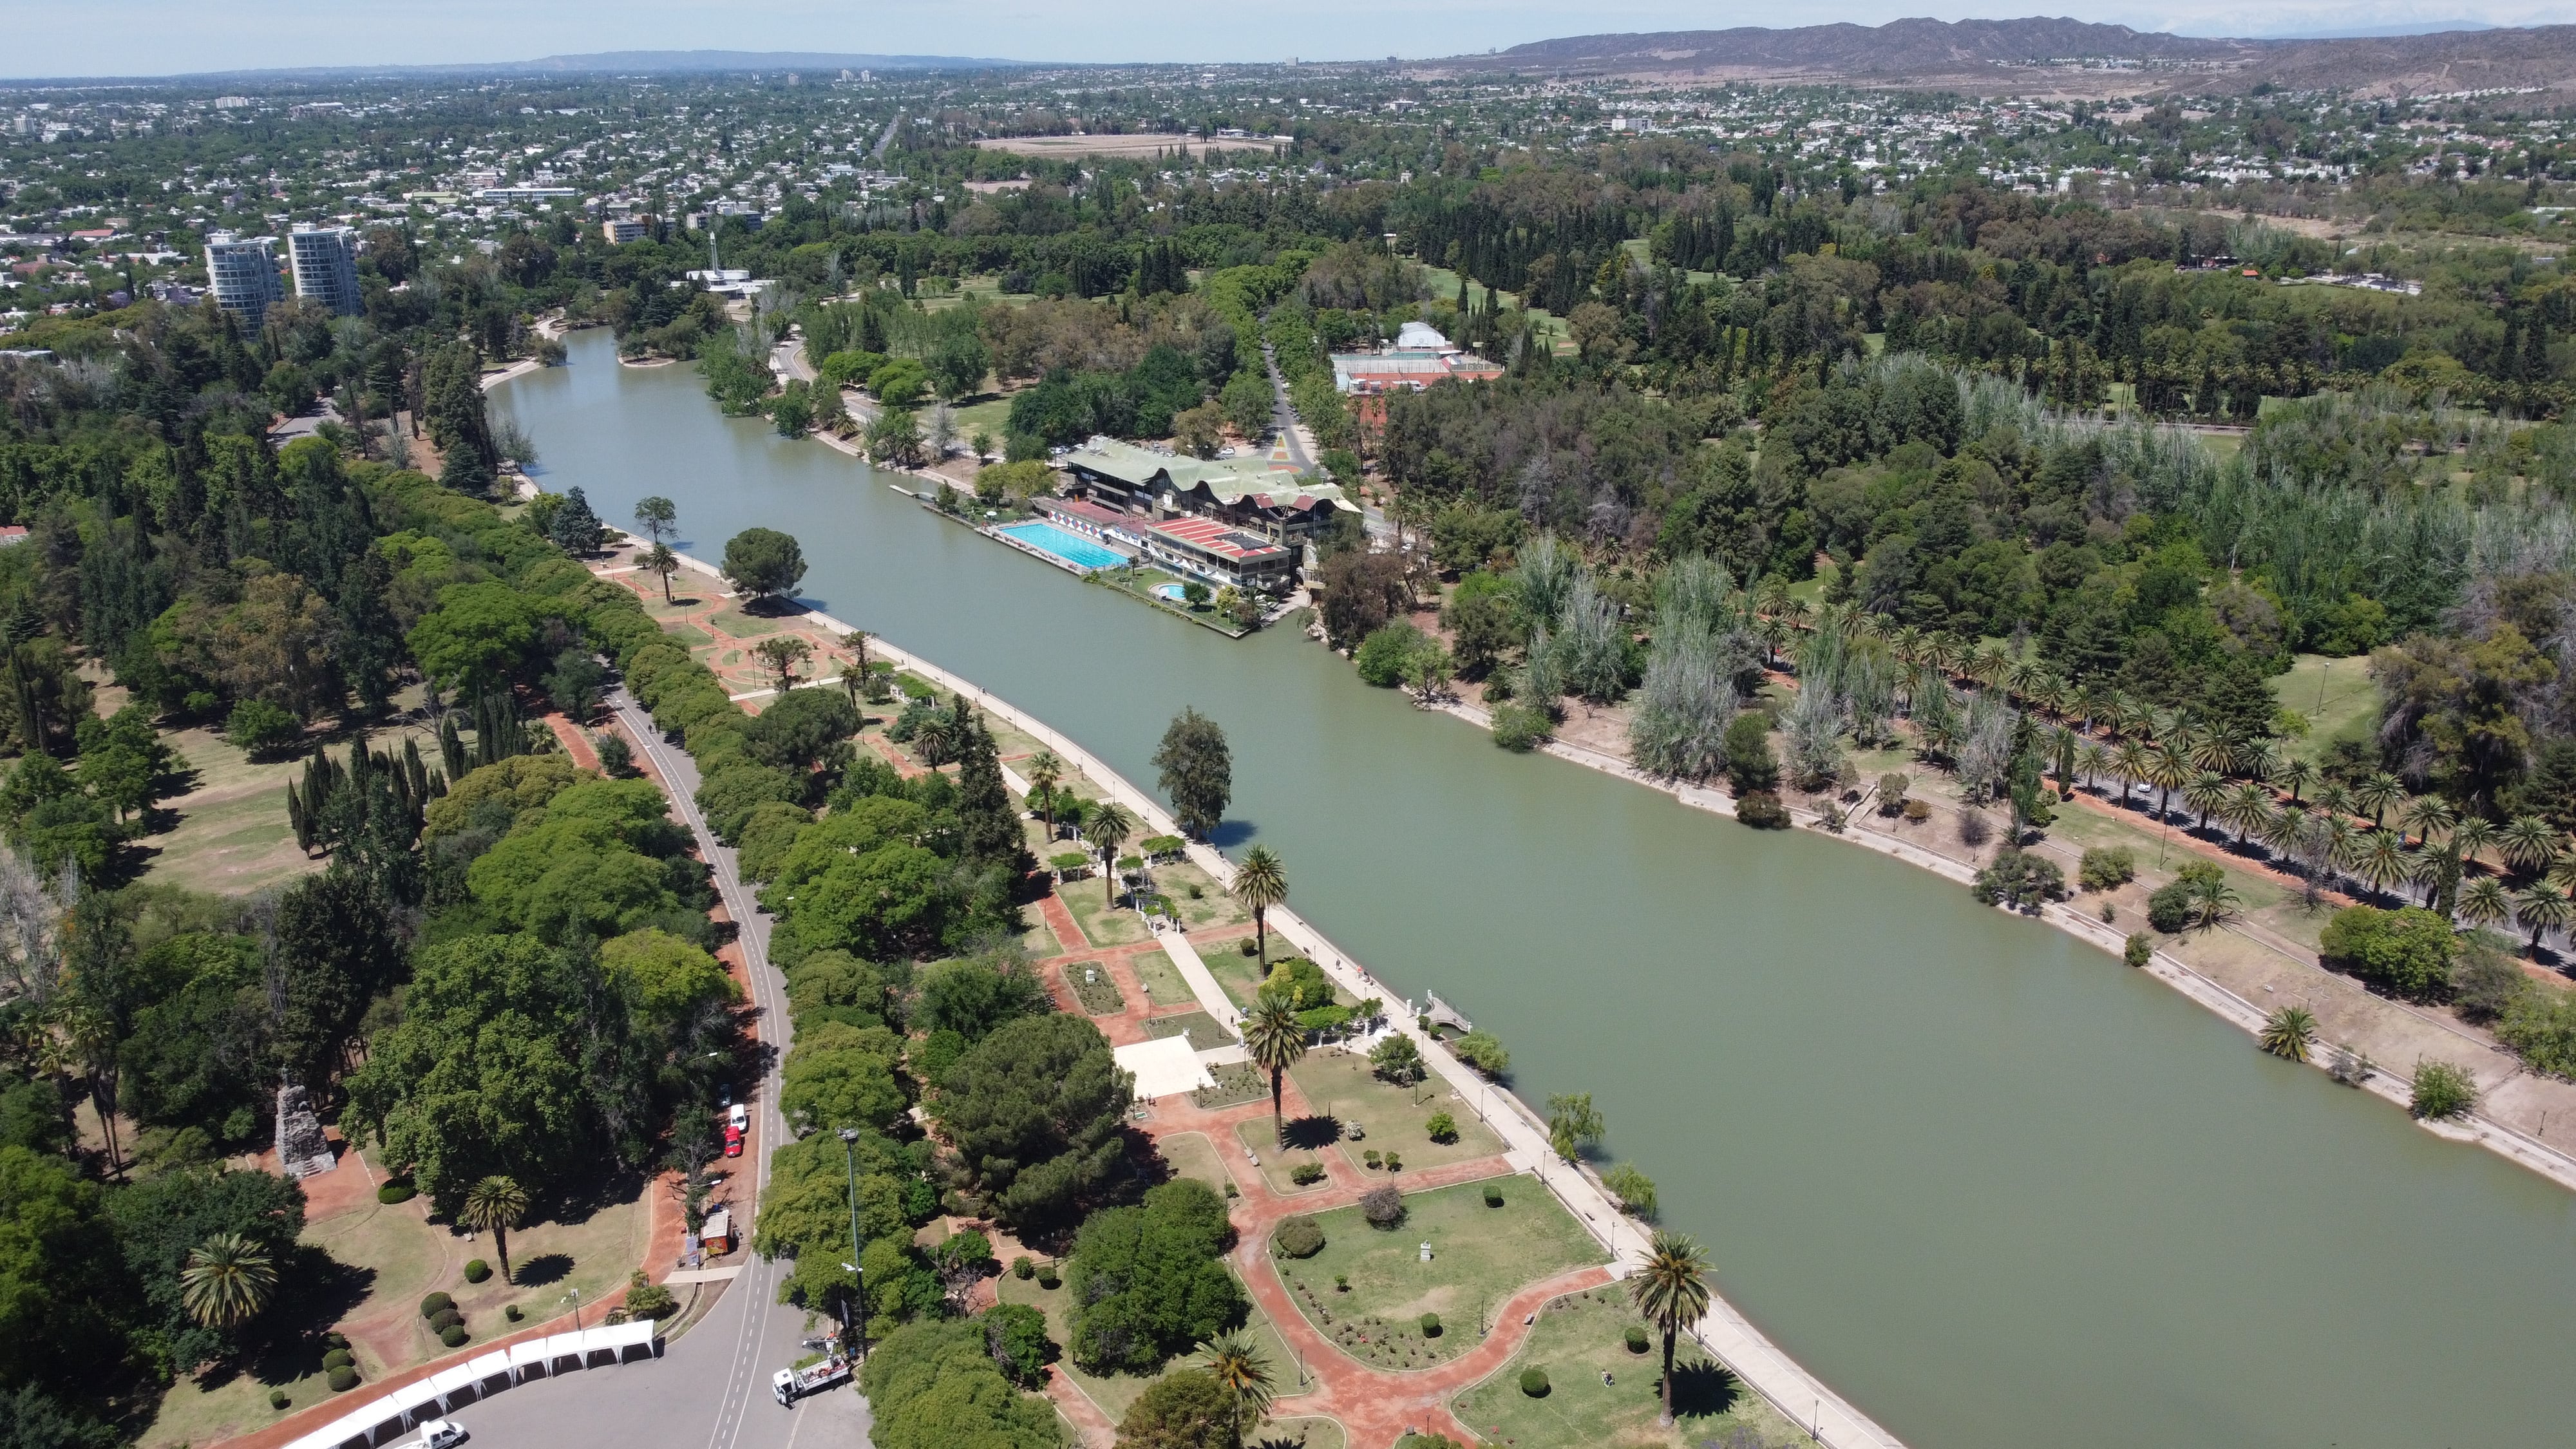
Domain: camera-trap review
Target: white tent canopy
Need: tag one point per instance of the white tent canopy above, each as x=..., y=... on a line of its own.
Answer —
x=611, y=1343
x=1163, y=1066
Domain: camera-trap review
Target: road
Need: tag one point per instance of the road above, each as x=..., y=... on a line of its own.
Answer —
x=710, y=1389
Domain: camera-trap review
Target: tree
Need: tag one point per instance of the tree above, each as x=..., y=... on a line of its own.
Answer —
x=2289, y=1032
x=658, y=517
x=1197, y=771
x=1045, y=772
x=1671, y=1289
x=1749, y=763
x=1184, y=1409
x=933, y=1385
x=1148, y=1282
x=1034, y=1112
x=495, y=1205
x=478, y=634
x=763, y=562
x=1108, y=828
x=782, y=653
x=575, y=529
x=660, y=561
x=1277, y=1042
x=1573, y=1124
x=1260, y=883
x=1244, y=1374
x=228, y=1281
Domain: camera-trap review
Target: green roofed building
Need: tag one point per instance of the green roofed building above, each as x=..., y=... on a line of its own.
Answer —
x=1283, y=507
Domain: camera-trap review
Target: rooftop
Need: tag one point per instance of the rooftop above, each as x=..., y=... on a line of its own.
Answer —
x=1227, y=480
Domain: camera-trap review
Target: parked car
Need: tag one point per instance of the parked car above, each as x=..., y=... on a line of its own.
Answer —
x=738, y=1117
x=733, y=1141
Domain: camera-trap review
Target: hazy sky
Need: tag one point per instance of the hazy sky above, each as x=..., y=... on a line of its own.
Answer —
x=162, y=37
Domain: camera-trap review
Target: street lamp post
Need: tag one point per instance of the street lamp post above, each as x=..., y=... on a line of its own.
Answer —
x=858, y=1281
x=575, y=1296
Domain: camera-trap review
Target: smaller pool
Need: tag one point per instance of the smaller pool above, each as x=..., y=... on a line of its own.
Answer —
x=1073, y=548
x=1172, y=593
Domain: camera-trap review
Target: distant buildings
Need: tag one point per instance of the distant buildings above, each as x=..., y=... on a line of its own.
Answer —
x=623, y=229
x=325, y=260
x=1419, y=358
x=1219, y=520
x=242, y=273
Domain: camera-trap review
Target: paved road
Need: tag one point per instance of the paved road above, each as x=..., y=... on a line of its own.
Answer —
x=710, y=1389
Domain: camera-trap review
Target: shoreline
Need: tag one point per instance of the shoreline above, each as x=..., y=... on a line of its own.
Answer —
x=2476, y=1128
x=1725, y=1333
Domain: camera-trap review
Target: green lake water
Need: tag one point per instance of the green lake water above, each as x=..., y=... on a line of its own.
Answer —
x=2000, y=1191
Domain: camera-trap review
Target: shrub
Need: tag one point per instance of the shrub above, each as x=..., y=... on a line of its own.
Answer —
x=2019, y=880
x=1430, y=1325
x=1394, y=1163
x=453, y=1335
x=337, y=1358
x=1534, y=1382
x=445, y=1319
x=1382, y=1206
x=435, y=1304
x=1442, y=1127
x=1918, y=811
x=649, y=1300
x=1382, y=656
x=257, y=727
x=1493, y=1196
x=1306, y=1174
x=2139, y=949
x=1298, y=1236
x=1891, y=794
x=397, y=1190
x=2442, y=1090
x=513, y=1313
x=277, y=1399
x=1250, y=946
x=1975, y=829
x=2169, y=909
x=1023, y=1269
x=1634, y=1189
x=1519, y=727
x=2107, y=867
x=1762, y=810
x=1048, y=1278
x=1637, y=1341
x=476, y=1270
x=2406, y=953
x=1370, y=1157
x=343, y=1380
x=1483, y=1051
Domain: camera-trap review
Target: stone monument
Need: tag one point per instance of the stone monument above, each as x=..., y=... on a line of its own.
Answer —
x=301, y=1150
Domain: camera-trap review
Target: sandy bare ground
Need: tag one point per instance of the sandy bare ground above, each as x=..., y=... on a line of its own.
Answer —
x=1130, y=145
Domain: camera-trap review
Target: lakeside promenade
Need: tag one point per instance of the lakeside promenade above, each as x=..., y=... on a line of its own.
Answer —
x=1724, y=1332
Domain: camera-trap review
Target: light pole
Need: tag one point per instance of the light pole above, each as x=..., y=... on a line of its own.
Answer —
x=575, y=1296
x=858, y=1282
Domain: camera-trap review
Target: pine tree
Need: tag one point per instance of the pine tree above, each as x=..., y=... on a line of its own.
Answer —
x=988, y=823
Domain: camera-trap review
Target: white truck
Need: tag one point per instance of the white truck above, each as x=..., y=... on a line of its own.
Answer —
x=790, y=1384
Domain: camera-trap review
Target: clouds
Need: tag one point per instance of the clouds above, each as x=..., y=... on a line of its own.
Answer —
x=163, y=37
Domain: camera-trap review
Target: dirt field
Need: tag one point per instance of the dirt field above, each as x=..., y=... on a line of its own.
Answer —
x=1133, y=145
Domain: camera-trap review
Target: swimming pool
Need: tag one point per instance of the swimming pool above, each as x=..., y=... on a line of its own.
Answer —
x=1073, y=548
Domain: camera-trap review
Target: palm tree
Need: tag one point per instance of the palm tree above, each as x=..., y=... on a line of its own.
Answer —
x=2094, y=760
x=2256, y=759
x=2050, y=693
x=1243, y=1373
x=2377, y=792
x=2167, y=770
x=2334, y=798
x=1671, y=1289
x=2384, y=861
x=2289, y=1032
x=2129, y=762
x=2205, y=793
x=2527, y=842
x=228, y=1280
x=1275, y=1040
x=2296, y=773
x=1260, y=883
x=2428, y=815
x=495, y=1205
x=2484, y=902
x=2473, y=834
x=2542, y=909
x=2213, y=902
x=1108, y=829
x=2247, y=807
x=2211, y=751
x=660, y=560
x=1987, y=664
x=2280, y=829
x=1045, y=773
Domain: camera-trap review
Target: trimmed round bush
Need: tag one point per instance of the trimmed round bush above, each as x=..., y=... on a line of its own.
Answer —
x=1299, y=1236
x=398, y=1190
x=454, y=1337
x=1637, y=1342
x=1431, y=1325
x=445, y=1319
x=1023, y=1269
x=277, y=1399
x=513, y=1313
x=343, y=1380
x=1382, y=1206
x=1306, y=1174
x=1047, y=1277
x=1493, y=1195
x=1534, y=1382
x=435, y=1304
x=1394, y=1163
x=1250, y=946
x=337, y=1358
x=476, y=1270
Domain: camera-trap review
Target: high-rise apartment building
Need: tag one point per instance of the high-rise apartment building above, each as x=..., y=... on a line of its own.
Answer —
x=242, y=272
x=326, y=267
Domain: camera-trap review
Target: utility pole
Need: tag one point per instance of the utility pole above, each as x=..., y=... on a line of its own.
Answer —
x=858, y=1283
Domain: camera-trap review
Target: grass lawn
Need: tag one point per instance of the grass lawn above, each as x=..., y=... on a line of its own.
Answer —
x=1204, y=1034
x=1235, y=1082
x=2336, y=696
x=991, y=415
x=231, y=835
x=1210, y=909
x=1101, y=924
x=1115, y=1393
x=1255, y=1135
x=1298, y=1433
x=1093, y=987
x=739, y=625
x=1241, y=975
x=1342, y=1086
x=1160, y=978
x=1480, y=1256
x=1191, y=1154
x=1576, y=1340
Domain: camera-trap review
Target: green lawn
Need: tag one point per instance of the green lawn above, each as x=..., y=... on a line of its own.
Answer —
x=2336, y=696
x=228, y=834
x=1344, y=1087
x=1276, y=1164
x=1480, y=1257
x=1160, y=978
x=739, y=625
x=989, y=415
x=1210, y=909
x=1202, y=1030
x=1092, y=985
x=1191, y=1154
x=1577, y=1339
x=1101, y=924
x=1241, y=975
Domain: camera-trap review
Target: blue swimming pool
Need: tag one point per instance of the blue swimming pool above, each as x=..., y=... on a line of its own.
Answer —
x=1073, y=548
